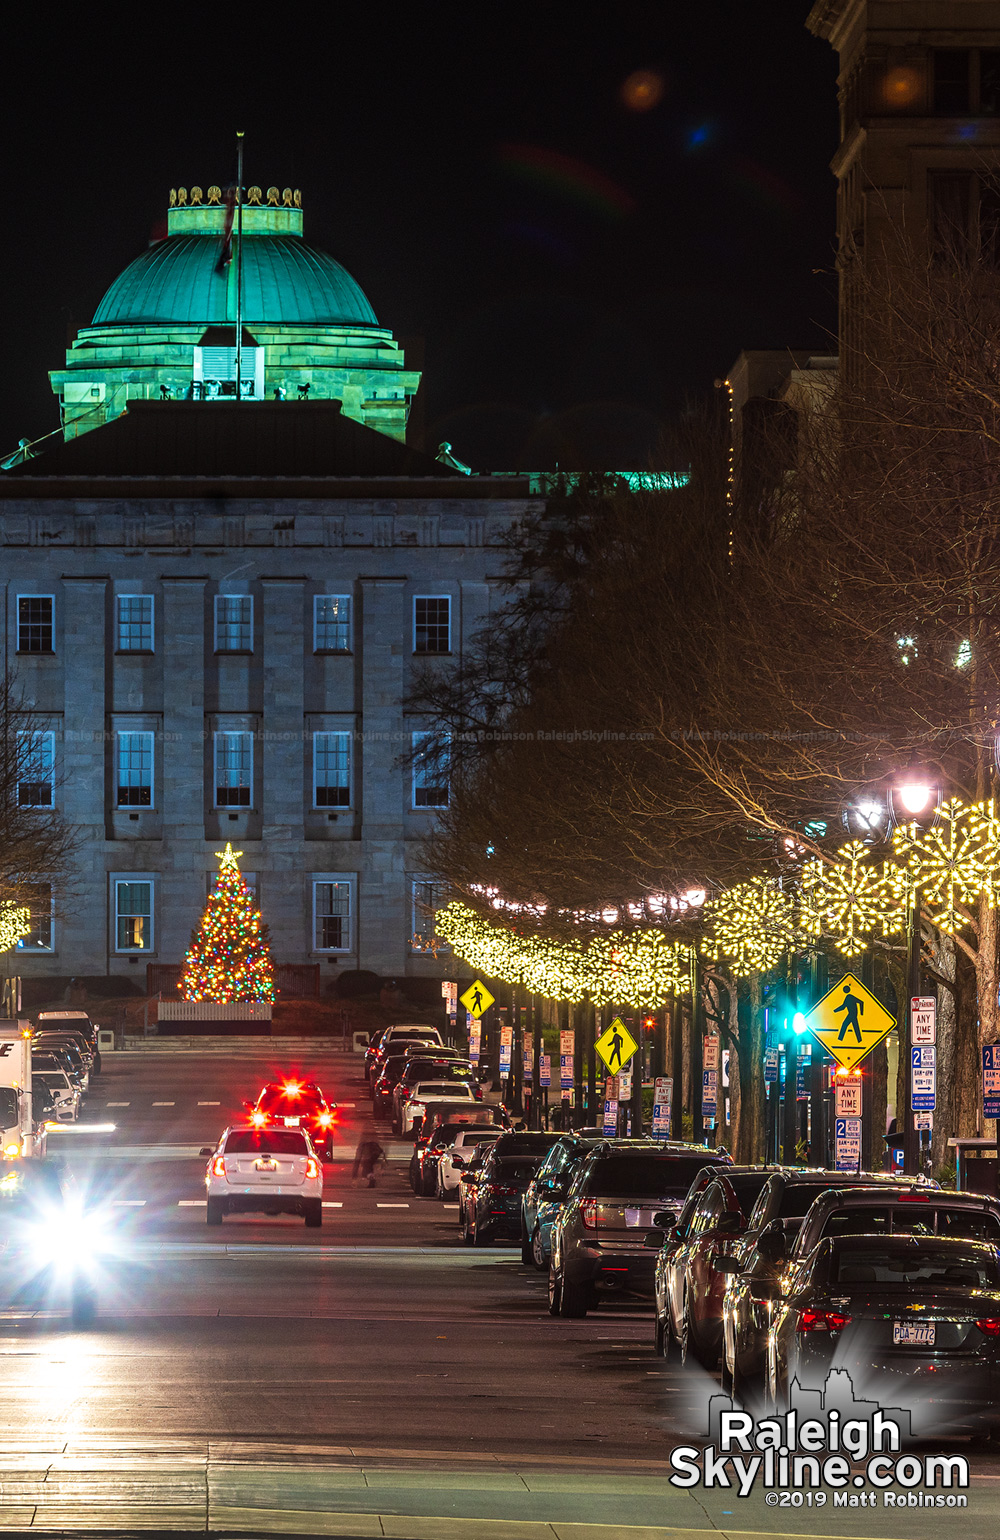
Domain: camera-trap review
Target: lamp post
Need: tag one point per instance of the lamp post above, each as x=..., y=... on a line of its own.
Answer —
x=913, y=799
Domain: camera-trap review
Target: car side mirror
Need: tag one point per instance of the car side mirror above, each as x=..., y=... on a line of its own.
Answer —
x=665, y=1220
x=207, y=1149
x=655, y=1240
x=731, y=1224
x=457, y=1160
x=763, y=1289
x=725, y=1265
x=772, y=1242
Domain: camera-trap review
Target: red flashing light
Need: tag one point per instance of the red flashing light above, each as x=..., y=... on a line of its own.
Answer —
x=822, y=1320
x=292, y=1088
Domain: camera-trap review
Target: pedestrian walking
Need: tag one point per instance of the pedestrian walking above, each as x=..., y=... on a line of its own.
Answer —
x=366, y=1157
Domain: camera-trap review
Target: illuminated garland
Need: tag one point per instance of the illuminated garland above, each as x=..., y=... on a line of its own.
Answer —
x=850, y=900
x=14, y=923
x=640, y=968
x=229, y=957
x=750, y=926
x=954, y=863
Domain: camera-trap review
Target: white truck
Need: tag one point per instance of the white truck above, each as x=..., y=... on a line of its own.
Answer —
x=20, y=1134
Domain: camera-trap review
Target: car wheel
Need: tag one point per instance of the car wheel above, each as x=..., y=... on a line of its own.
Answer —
x=537, y=1252
x=480, y=1237
x=555, y=1291
x=427, y=1185
x=468, y=1235
x=691, y=1348
x=314, y=1213
x=576, y=1300
x=659, y=1336
x=213, y=1211
x=438, y=1185
x=527, y=1255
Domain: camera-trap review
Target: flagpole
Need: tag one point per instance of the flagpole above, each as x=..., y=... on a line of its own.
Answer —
x=239, y=267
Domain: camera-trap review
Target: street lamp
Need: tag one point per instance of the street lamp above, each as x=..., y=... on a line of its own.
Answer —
x=865, y=818
x=913, y=798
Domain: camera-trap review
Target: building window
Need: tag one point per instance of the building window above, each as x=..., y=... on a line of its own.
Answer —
x=332, y=623
x=953, y=81
x=233, y=623
x=432, y=624
x=233, y=769
x=331, y=769
x=135, y=623
x=332, y=915
x=135, y=769
x=39, y=938
x=34, y=622
x=35, y=769
x=430, y=771
x=426, y=898
x=133, y=916
x=964, y=213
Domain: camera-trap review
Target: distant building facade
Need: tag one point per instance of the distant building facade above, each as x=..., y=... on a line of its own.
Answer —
x=216, y=607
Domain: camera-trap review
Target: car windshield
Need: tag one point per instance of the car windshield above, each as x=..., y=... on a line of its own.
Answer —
x=518, y=1169
x=52, y=1077
x=442, y=1088
x=8, y=1106
x=914, y=1219
x=466, y=1140
x=265, y=1141
x=913, y=1266
x=643, y=1176
x=281, y=1099
x=446, y=1070
x=797, y=1199
x=747, y=1186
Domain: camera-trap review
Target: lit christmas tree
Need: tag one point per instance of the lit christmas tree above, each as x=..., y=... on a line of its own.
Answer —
x=230, y=955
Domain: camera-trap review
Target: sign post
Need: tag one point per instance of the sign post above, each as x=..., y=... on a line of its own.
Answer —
x=991, y=1080
x=663, y=1090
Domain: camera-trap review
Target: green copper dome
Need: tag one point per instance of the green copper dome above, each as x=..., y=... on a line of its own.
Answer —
x=285, y=282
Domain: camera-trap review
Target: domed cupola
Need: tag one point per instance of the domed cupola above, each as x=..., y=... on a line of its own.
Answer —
x=166, y=328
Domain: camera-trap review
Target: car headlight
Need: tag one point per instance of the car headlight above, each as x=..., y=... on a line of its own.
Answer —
x=70, y=1239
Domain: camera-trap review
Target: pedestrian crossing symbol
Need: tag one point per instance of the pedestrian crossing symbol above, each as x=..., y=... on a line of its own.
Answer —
x=849, y=1022
x=477, y=999
x=616, y=1045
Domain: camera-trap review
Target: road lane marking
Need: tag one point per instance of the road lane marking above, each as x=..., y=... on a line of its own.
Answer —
x=450, y=1206
x=128, y=1203
x=331, y=1205
x=346, y=1104
x=192, y=1202
x=206, y=1104
x=118, y=1104
x=392, y=1205
x=164, y=1104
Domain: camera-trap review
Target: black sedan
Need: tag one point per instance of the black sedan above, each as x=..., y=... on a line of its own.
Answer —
x=914, y=1320
x=493, y=1211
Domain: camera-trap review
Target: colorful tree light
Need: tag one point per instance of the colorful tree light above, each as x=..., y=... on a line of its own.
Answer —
x=230, y=956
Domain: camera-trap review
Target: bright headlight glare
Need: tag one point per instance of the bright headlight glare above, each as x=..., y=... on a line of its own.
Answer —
x=69, y=1240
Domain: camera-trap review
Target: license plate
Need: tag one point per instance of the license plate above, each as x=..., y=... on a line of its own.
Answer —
x=266, y=1165
x=906, y=1335
x=292, y=1122
x=640, y=1218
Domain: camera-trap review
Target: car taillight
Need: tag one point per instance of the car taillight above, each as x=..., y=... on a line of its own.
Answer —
x=588, y=1213
x=218, y=1166
x=822, y=1320
x=312, y=1169
x=989, y=1328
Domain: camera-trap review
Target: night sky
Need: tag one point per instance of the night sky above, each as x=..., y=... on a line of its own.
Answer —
x=578, y=256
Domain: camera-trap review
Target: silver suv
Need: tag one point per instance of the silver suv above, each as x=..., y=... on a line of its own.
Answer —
x=599, y=1235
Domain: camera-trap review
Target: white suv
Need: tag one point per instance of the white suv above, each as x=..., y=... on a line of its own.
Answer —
x=264, y=1170
x=440, y=1092
x=65, y=1095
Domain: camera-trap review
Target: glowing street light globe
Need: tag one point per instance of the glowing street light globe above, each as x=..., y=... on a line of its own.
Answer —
x=915, y=797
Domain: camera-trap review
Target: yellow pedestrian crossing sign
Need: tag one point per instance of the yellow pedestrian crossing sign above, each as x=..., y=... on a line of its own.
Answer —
x=616, y=1045
x=849, y=1021
x=477, y=999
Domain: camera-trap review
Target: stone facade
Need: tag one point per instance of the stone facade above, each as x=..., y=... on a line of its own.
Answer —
x=86, y=551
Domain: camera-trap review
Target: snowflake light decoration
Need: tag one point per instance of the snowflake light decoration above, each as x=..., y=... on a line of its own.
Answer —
x=953, y=863
x=750, y=925
x=851, y=900
x=14, y=923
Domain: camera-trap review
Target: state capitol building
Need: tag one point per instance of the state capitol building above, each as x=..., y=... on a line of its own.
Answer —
x=215, y=604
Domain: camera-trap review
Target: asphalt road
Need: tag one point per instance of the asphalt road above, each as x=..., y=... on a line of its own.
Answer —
x=374, y=1375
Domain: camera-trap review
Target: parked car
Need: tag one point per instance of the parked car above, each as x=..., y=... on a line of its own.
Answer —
x=545, y=1195
x=71, y=1021
x=616, y=1194
x=784, y=1201
x=264, y=1170
x=74, y=1040
x=493, y=1210
x=514, y=1143
x=68, y=1054
x=447, y=1138
x=65, y=1095
x=903, y=1210
x=452, y=1071
x=901, y=1313
x=60, y=1058
x=688, y=1290
x=410, y=1034
x=295, y=1103
x=411, y=1111
x=388, y=1066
